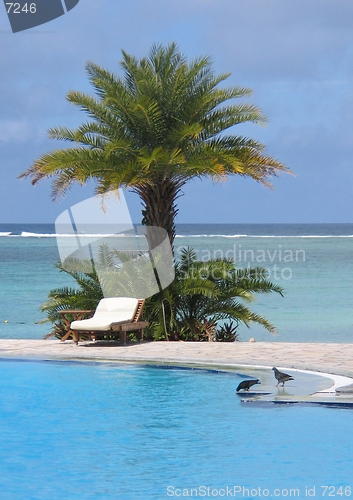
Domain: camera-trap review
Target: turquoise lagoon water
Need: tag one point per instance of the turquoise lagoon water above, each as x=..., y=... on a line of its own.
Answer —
x=312, y=262
x=91, y=431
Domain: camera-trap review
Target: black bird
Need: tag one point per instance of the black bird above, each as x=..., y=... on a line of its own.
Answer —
x=246, y=384
x=281, y=377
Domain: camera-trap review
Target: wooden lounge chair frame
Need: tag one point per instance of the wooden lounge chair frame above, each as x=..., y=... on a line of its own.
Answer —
x=76, y=314
x=119, y=329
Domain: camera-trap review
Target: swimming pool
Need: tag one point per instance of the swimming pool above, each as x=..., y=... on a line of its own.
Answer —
x=97, y=431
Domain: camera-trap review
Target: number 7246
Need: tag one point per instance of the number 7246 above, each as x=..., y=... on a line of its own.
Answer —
x=17, y=8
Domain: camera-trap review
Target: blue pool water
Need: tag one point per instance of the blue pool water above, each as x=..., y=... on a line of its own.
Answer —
x=94, y=431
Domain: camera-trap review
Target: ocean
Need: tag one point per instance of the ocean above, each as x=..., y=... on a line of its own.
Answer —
x=312, y=262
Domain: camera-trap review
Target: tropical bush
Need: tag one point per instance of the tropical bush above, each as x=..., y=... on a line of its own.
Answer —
x=206, y=301
x=227, y=332
x=205, y=298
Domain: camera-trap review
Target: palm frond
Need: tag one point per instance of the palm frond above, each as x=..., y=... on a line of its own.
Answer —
x=161, y=122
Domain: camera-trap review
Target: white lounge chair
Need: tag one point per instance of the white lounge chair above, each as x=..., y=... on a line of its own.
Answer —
x=113, y=316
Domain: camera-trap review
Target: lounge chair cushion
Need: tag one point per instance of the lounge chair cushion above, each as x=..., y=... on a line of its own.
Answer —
x=109, y=311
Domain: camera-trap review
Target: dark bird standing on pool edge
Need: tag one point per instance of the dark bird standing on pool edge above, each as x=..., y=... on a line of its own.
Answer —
x=246, y=384
x=281, y=377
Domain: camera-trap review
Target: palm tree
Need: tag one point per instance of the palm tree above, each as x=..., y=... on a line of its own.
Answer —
x=162, y=123
x=205, y=294
x=202, y=296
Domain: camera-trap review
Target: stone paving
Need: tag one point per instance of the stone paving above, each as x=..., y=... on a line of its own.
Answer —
x=329, y=358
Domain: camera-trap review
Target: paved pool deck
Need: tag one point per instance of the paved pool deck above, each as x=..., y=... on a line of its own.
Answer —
x=329, y=358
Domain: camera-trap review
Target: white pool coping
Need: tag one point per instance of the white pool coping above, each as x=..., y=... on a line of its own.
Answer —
x=338, y=381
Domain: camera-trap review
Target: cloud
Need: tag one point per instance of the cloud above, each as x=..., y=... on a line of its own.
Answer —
x=275, y=40
x=296, y=55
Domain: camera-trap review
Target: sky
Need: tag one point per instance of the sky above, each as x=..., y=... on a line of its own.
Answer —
x=296, y=56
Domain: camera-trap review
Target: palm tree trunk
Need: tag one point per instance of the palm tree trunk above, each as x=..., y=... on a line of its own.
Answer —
x=159, y=207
